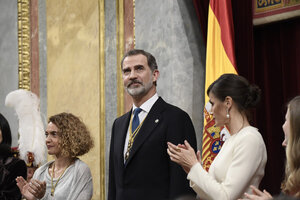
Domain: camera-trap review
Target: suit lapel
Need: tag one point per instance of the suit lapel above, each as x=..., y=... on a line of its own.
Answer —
x=120, y=141
x=152, y=120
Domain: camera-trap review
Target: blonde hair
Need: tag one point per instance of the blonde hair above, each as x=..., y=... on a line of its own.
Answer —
x=76, y=139
x=291, y=184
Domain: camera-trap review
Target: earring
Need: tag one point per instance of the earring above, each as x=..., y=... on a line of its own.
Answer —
x=227, y=115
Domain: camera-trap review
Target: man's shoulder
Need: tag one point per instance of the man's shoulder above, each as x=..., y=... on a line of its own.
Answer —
x=125, y=115
x=122, y=117
x=173, y=108
x=170, y=111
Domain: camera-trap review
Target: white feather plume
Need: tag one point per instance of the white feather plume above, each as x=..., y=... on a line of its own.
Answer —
x=31, y=129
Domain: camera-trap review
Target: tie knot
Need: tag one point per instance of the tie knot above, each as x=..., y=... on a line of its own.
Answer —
x=137, y=111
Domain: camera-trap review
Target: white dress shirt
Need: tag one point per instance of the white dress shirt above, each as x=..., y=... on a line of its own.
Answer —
x=146, y=107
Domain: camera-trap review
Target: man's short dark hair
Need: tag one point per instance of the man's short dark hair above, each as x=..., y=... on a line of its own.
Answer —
x=150, y=58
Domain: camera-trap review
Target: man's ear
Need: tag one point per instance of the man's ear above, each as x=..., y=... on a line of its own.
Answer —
x=155, y=75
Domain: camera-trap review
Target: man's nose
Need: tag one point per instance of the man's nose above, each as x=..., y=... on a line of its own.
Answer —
x=133, y=74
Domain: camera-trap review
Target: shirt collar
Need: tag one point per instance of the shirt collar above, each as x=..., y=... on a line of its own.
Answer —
x=147, y=105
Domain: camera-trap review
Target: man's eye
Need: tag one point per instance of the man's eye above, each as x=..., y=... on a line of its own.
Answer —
x=140, y=68
x=126, y=72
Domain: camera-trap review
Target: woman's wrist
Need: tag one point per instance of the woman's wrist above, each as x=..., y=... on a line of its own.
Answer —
x=193, y=165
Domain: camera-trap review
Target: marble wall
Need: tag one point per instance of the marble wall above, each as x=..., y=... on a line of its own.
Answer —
x=170, y=31
x=9, y=61
x=110, y=74
x=42, y=13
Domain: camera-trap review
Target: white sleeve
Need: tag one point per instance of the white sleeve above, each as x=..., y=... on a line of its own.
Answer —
x=248, y=154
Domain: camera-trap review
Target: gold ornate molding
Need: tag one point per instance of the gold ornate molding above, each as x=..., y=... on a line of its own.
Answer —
x=120, y=53
x=24, y=47
x=102, y=96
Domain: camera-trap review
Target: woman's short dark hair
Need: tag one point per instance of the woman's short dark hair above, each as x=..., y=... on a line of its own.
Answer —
x=238, y=88
x=5, y=129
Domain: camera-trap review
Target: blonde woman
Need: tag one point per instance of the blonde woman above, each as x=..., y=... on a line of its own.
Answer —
x=291, y=129
x=67, y=177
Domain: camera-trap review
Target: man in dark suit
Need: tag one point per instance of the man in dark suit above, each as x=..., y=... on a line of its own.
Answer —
x=139, y=166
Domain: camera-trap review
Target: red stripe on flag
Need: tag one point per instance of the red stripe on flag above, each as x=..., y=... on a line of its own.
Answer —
x=223, y=12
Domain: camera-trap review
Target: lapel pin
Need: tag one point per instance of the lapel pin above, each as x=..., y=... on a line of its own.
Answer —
x=157, y=120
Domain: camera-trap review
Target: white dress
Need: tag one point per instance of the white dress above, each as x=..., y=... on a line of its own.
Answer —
x=75, y=184
x=240, y=163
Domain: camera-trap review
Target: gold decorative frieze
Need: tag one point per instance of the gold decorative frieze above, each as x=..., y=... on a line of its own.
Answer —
x=24, y=41
x=266, y=11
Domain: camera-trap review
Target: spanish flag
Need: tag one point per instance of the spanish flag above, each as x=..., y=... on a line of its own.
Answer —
x=220, y=59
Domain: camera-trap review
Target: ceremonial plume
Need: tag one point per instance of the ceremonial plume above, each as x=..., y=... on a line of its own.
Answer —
x=32, y=138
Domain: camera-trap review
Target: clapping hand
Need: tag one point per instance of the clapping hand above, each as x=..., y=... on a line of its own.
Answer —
x=257, y=194
x=31, y=190
x=184, y=155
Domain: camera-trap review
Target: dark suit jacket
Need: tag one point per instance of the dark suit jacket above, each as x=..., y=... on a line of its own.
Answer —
x=149, y=173
x=10, y=168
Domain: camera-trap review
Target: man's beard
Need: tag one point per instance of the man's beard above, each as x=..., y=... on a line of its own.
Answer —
x=139, y=91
